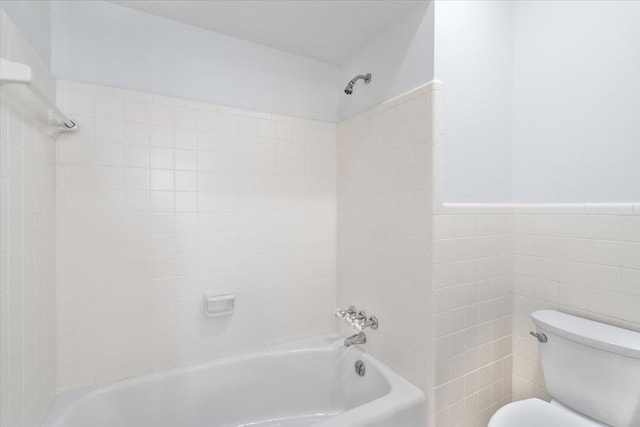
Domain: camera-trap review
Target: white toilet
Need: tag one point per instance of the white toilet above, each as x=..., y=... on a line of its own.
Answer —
x=591, y=370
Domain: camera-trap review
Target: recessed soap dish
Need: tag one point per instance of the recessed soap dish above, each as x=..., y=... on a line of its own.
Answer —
x=219, y=305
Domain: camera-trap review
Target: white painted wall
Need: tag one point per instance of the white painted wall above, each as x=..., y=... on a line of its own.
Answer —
x=577, y=101
x=33, y=19
x=400, y=59
x=104, y=43
x=473, y=58
x=541, y=100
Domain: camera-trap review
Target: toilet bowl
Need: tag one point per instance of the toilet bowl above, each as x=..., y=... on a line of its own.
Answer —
x=591, y=370
x=538, y=413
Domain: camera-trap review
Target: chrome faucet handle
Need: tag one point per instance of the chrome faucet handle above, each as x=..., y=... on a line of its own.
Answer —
x=357, y=319
x=350, y=318
x=371, y=323
x=345, y=314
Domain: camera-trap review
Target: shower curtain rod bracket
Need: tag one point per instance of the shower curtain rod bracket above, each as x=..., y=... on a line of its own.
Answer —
x=16, y=73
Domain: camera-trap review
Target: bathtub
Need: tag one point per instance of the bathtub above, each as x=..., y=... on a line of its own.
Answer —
x=312, y=382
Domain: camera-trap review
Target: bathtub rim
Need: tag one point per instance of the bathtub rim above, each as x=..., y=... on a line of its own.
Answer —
x=401, y=392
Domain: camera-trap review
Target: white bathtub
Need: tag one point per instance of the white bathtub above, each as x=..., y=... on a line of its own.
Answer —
x=304, y=383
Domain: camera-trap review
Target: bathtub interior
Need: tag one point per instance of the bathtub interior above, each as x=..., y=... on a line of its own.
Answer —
x=301, y=387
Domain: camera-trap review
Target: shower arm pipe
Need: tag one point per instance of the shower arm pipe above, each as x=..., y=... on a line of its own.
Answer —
x=365, y=77
x=17, y=73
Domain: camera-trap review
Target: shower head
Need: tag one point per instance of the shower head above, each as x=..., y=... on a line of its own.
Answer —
x=349, y=89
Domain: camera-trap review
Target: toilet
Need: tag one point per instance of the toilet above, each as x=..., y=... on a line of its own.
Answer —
x=591, y=370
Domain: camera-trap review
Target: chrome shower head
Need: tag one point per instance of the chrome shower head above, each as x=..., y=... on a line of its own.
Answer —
x=349, y=89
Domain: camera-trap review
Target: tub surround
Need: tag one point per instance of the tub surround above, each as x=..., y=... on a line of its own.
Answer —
x=27, y=242
x=384, y=228
x=162, y=200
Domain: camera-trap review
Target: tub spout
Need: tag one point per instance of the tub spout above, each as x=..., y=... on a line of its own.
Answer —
x=359, y=338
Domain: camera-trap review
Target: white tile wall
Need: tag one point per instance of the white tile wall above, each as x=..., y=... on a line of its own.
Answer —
x=579, y=259
x=384, y=228
x=472, y=276
x=27, y=242
x=161, y=200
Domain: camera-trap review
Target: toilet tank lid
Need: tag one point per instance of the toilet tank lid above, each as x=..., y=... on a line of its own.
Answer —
x=588, y=332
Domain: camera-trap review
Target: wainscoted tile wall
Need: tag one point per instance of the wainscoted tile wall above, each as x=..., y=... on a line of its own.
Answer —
x=27, y=242
x=161, y=200
x=579, y=259
x=472, y=276
x=582, y=259
x=384, y=228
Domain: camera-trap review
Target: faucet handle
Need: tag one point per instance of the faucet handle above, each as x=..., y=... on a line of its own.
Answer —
x=357, y=319
x=371, y=323
x=346, y=314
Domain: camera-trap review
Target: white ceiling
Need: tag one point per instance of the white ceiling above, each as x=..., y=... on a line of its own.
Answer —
x=327, y=30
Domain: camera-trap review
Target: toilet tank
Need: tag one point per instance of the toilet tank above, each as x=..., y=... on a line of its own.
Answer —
x=591, y=367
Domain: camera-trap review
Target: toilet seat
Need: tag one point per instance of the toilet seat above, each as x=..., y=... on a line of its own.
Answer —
x=537, y=413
